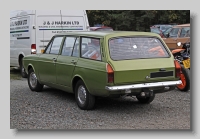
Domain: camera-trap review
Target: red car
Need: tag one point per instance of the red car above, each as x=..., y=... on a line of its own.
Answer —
x=102, y=28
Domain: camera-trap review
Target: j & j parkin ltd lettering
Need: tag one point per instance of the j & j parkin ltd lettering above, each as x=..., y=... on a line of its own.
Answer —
x=61, y=23
x=18, y=23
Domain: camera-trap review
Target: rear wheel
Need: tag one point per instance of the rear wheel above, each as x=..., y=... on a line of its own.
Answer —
x=84, y=99
x=185, y=86
x=22, y=70
x=33, y=83
x=146, y=100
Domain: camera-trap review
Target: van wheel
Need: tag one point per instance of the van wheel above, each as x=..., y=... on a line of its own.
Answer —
x=33, y=83
x=145, y=100
x=84, y=99
x=22, y=70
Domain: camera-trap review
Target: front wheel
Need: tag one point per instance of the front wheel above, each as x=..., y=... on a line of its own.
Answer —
x=84, y=99
x=185, y=86
x=33, y=83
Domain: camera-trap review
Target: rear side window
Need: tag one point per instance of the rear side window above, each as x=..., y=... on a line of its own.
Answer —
x=90, y=48
x=127, y=48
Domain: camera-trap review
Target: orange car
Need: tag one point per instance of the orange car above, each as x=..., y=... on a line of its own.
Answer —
x=179, y=33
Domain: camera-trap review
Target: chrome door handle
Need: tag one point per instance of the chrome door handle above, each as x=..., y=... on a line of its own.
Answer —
x=54, y=59
x=73, y=62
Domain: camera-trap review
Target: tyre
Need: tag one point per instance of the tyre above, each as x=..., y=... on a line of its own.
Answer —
x=22, y=70
x=185, y=86
x=145, y=100
x=33, y=83
x=84, y=99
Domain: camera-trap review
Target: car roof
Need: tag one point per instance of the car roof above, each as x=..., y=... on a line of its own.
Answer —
x=182, y=25
x=99, y=27
x=108, y=33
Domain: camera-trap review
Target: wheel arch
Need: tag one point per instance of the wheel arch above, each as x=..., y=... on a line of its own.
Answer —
x=75, y=79
x=29, y=67
x=21, y=55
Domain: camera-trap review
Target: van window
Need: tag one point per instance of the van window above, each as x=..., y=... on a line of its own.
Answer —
x=55, y=47
x=126, y=48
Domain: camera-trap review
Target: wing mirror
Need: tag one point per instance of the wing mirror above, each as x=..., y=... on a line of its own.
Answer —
x=179, y=44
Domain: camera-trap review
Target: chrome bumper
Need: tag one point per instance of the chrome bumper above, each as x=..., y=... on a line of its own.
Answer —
x=144, y=85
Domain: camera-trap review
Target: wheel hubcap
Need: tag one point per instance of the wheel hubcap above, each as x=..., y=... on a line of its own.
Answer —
x=82, y=94
x=33, y=80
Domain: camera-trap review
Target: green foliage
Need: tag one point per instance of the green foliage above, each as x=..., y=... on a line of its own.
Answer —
x=137, y=20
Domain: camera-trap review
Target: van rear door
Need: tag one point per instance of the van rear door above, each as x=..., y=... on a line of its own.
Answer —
x=74, y=20
x=46, y=27
x=52, y=22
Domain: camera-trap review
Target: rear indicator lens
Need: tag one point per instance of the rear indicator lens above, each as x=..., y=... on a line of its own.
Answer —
x=177, y=68
x=33, y=49
x=110, y=73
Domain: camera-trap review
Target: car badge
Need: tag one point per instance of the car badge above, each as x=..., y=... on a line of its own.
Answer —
x=147, y=77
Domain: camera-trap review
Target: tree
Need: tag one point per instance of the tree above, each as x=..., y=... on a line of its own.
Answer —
x=137, y=20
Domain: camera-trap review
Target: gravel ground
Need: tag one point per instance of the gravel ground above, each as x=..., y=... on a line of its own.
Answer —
x=55, y=109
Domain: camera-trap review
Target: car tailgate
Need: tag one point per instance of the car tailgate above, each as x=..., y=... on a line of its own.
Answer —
x=143, y=70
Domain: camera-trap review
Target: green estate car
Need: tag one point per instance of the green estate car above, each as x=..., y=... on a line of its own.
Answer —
x=104, y=64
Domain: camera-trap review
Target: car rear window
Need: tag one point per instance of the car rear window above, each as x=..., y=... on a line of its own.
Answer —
x=126, y=48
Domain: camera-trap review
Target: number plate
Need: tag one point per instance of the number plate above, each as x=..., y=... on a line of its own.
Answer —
x=186, y=63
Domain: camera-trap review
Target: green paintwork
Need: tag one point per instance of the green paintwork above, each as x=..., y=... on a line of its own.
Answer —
x=62, y=73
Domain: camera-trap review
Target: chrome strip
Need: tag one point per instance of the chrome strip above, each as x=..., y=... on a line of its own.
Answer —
x=134, y=86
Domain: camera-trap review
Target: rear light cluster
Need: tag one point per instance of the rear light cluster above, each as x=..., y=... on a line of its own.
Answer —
x=33, y=49
x=110, y=73
x=177, y=68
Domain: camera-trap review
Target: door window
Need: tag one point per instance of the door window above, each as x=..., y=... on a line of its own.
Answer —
x=68, y=46
x=55, y=47
x=76, y=48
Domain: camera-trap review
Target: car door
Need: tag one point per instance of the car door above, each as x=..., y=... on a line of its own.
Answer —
x=171, y=41
x=67, y=60
x=48, y=60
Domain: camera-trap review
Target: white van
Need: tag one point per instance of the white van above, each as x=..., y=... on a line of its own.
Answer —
x=31, y=30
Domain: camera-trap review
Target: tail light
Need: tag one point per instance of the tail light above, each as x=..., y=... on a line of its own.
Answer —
x=177, y=68
x=33, y=49
x=110, y=73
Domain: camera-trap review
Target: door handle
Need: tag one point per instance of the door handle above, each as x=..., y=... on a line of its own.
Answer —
x=54, y=59
x=73, y=62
